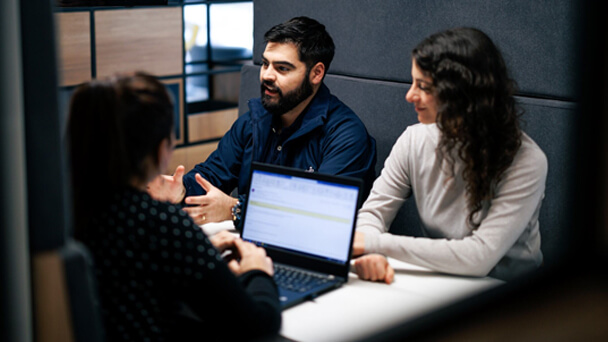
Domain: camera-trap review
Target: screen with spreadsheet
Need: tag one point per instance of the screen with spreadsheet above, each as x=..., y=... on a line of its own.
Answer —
x=310, y=216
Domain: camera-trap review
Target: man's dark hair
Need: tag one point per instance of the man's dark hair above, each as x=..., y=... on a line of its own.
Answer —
x=310, y=37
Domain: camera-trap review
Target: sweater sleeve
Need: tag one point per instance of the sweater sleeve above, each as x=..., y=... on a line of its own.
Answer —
x=513, y=211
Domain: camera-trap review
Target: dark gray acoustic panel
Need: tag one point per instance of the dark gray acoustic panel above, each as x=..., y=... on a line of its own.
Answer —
x=551, y=125
x=250, y=86
x=374, y=38
x=381, y=106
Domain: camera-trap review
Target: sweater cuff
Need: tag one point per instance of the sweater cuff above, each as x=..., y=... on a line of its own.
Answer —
x=372, y=238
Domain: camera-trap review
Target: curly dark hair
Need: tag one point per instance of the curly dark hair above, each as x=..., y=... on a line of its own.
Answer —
x=477, y=113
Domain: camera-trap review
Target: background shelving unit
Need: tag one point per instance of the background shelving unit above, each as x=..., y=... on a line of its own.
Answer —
x=197, y=48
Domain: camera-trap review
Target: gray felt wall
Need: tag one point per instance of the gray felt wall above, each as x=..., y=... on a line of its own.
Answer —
x=371, y=74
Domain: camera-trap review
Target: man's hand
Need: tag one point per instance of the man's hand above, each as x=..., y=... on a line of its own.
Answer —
x=251, y=258
x=359, y=244
x=215, y=206
x=374, y=267
x=168, y=188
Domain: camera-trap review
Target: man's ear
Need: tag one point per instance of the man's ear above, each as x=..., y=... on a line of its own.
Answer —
x=316, y=73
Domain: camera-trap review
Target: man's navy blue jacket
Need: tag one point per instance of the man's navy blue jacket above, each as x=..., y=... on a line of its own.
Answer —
x=331, y=139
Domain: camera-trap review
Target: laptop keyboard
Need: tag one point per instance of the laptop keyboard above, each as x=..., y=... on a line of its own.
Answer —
x=297, y=280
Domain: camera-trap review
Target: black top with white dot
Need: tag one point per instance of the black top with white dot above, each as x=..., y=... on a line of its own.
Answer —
x=160, y=279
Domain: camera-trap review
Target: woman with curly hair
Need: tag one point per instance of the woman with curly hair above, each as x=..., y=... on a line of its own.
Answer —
x=477, y=179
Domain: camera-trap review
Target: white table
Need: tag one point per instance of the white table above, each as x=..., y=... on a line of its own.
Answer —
x=361, y=308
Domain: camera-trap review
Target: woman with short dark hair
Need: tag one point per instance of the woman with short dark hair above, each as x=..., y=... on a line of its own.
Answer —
x=159, y=277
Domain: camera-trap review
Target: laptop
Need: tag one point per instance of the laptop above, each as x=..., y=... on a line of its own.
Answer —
x=306, y=223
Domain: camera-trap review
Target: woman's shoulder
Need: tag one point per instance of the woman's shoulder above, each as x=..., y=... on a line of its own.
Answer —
x=529, y=149
x=420, y=134
x=422, y=130
x=530, y=158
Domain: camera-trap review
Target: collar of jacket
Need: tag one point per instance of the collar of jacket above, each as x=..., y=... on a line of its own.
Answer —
x=315, y=114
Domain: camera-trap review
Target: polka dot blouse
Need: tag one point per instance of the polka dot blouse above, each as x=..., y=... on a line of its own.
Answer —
x=160, y=279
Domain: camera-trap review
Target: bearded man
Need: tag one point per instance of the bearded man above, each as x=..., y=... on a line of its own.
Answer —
x=296, y=123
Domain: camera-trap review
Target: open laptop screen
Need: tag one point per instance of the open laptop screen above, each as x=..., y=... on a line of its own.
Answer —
x=310, y=216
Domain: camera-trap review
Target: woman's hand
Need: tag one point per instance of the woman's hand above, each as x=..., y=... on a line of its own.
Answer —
x=359, y=244
x=223, y=240
x=374, y=267
x=251, y=258
x=215, y=206
x=168, y=188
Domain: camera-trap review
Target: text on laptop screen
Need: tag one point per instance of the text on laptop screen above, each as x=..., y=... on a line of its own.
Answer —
x=305, y=215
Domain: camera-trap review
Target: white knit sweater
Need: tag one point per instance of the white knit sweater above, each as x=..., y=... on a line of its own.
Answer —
x=507, y=242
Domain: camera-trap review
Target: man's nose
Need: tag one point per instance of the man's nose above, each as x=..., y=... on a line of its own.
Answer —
x=268, y=74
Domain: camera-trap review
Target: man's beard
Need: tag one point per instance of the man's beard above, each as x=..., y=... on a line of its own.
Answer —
x=288, y=101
